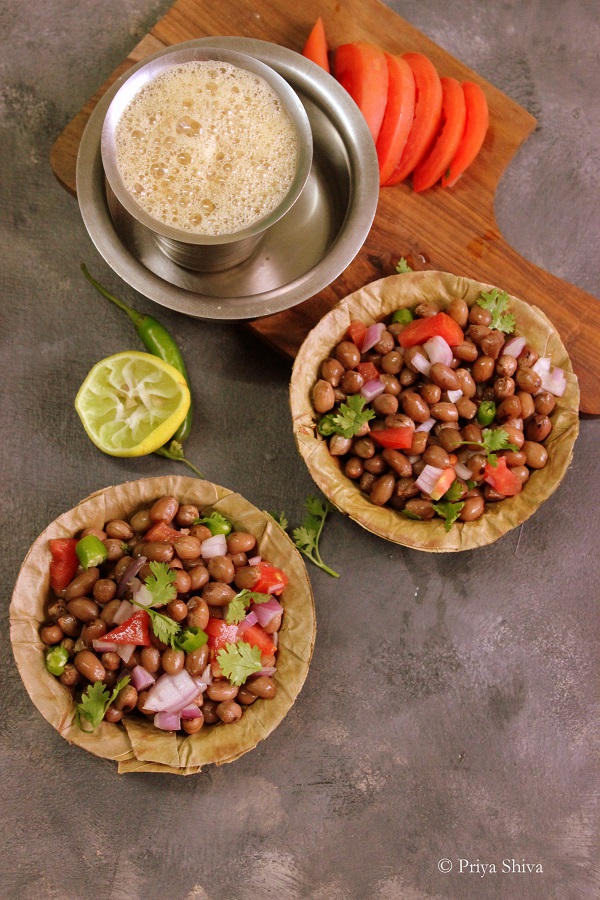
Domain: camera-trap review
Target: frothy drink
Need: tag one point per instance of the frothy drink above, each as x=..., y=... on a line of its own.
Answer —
x=206, y=147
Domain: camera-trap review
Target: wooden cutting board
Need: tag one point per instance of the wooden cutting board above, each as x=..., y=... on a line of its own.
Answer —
x=453, y=230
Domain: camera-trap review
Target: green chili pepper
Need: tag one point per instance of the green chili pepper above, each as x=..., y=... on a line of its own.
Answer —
x=191, y=639
x=402, y=316
x=486, y=412
x=90, y=551
x=157, y=341
x=56, y=660
x=216, y=523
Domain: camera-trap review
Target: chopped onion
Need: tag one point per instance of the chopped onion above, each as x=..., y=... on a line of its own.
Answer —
x=453, y=396
x=269, y=671
x=124, y=612
x=438, y=350
x=214, y=546
x=266, y=612
x=372, y=336
x=142, y=595
x=190, y=712
x=514, y=347
x=167, y=721
x=553, y=381
x=463, y=471
x=542, y=366
x=421, y=364
x=126, y=651
x=102, y=646
x=129, y=574
x=372, y=389
x=428, y=479
x=172, y=692
x=427, y=425
x=254, y=561
x=251, y=619
x=141, y=678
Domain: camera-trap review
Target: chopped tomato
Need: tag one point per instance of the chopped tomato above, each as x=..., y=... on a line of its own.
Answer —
x=436, y=162
x=502, y=479
x=64, y=563
x=362, y=70
x=135, y=630
x=315, y=48
x=368, y=371
x=162, y=532
x=398, y=116
x=428, y=111
x=476, y=126
x=420, y=330
x=220, y=633
x=398, y=438
x=443, y=483
x=356, y=332
x=271, y=580
x=258, y=637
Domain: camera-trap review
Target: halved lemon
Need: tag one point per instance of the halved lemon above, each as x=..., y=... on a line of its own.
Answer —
x=132, y=403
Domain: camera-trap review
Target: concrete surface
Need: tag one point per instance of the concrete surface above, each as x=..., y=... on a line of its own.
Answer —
x=452, y=707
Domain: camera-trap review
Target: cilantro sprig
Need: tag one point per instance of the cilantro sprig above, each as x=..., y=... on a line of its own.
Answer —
x=348, y=420
x=497, y=303
x=161, y=583
x=236, y=608
x=175, y=451
x=492, y=440
x=94, y=703
x=308, y=535
x=164, y=627
x=402, y=266
x=448, y=511
x=238, y=661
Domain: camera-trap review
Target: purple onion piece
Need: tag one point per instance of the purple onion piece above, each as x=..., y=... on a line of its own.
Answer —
x=129, y=574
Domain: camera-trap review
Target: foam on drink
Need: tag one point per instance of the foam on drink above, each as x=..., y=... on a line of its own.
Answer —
x=206, y=147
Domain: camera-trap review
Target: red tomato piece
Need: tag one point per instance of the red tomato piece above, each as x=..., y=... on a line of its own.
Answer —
x=502, y=479
x=452, y=126
x=398, y=116
x=271, y=580
x=361, y=68
x=399, y=438
x=428, y=111
x=258, y=637
x=356, y=332
x=162, y=532
x=64, y=563
x=135, y=630
x=220, y=633
x=368, y=370
x=315, y=48
x=420, y=330
x=443, y=483
x=476, y=126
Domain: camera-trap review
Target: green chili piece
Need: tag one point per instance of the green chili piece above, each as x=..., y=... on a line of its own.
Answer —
x=191, y=639
x=56, y=660
x=90, y=551
x=486, y=412
x=402, y=316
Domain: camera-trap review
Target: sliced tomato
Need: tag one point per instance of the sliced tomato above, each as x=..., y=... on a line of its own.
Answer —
x=428, y=111
x=420, y=330
x=476, y=126
x=502, y=479
x=361, y=68
x=135, y=630
x=315, y=47
x=64, y=563
x=356, y=332
x=398, y=438
x=162, y=532
x=443, y=483
x=258, y=637
x=368, y=370
x=398, y=116
x=220, y=633
x=271, y=579
x=452, y=126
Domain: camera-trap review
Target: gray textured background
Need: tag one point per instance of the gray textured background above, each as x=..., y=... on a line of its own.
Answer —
x=452, y=707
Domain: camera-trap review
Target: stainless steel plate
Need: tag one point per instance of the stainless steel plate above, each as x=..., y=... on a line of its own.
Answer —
x=300, y=255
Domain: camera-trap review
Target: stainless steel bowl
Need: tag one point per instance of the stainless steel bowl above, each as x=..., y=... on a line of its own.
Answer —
x=205, y=252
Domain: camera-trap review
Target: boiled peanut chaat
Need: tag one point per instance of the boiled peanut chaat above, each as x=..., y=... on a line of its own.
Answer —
x=436, y=413
x=170, y=614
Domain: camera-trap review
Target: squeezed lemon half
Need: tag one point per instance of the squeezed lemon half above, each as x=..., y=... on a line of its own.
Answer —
x=132, y=403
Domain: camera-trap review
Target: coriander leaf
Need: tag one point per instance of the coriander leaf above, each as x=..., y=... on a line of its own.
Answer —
x=410, y=514
x=94, y=703
x=175, y=451
x=454, y=492
x=497, y=303
x=307, y=536
x=349, y=419
x=493, y=439
x=238, y=661
x=161, y=583
x=448, y=511
x=402, y=266
x=281, y=519
x=236, y=608
x=216, y=523
x=165, y=628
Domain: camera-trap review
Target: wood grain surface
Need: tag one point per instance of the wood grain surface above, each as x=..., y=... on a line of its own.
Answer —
x=453, y=229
